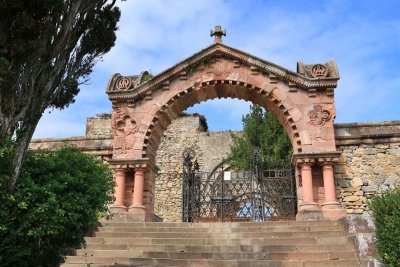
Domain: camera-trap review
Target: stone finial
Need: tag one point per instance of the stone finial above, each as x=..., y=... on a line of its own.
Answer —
x=218, y=32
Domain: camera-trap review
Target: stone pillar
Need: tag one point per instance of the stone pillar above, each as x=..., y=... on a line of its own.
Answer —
x=308, y=209
x=331, y=208
x=138, y=187
x=119, y=177
x=137, y=210
x=329, y=183
x=306, y=178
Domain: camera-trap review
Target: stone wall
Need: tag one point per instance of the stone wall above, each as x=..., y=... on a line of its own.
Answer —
x=369, y=163
x=99, y=126
x=186, y=132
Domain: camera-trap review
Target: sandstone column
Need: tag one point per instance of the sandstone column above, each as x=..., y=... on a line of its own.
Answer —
x=137, y=210
x=119, y=177
x=308, y=196
x=331, y=209
x=138, y=187
x=308, y=209
x=329, y=183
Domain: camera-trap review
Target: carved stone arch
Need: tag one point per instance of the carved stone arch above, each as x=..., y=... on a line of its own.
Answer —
x=302, y=101
x=187, y=97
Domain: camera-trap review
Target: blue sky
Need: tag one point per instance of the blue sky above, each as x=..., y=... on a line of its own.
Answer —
x=363, y=36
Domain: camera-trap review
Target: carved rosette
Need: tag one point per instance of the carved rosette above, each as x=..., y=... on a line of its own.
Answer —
x=318, y=116
x=124, y=127
x=123, y=83
x=318, y=71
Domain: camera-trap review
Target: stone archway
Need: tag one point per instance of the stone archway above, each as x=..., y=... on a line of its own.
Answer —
x=303, y=102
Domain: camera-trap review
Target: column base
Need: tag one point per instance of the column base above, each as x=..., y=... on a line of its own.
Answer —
x=117, y=208
x=137, y=213
x=308, y=206
x=332, y=210
x=309, y=215
x=309, y=211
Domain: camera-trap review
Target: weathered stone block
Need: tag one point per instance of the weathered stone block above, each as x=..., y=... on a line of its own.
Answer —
x=392, y=181
x=356, y=182
x=344, y=183
x=370, y=188
x=351, y=198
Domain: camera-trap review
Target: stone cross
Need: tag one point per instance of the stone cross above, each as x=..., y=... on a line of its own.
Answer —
x=218, y=32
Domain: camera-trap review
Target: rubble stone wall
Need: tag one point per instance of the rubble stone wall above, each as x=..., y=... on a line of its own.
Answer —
x=99, y=126
x=186, y=132
x=369, y=163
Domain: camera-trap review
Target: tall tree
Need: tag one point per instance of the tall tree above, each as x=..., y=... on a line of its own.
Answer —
x=47, y=49
x=263, y=132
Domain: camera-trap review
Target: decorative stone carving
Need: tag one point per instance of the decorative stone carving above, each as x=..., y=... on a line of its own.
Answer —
x=318, y=116
x=124, y=128
x=319, y=71
x=123, y=83
x=327, y=70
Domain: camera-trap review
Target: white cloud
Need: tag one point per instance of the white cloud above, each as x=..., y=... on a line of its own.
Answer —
x=155, y=35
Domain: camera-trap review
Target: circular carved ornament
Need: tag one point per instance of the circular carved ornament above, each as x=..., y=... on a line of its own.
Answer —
x=318, y=116
x=125, y=123
x=123, y=83
x=319, y=70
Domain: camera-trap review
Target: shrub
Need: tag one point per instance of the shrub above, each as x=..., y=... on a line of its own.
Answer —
x=56, y=201
x=386, y=213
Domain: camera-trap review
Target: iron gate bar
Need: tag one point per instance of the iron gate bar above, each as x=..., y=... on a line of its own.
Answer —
x=259, y=194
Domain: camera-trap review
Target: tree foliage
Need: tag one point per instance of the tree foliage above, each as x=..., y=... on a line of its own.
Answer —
x=47, y=49
x=386, y=213
x=53, y=206
x=262, y=131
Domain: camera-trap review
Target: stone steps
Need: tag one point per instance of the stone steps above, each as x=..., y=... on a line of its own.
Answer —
x=217, y=235
x=115, y=262
x=211, y=225
x=326, y=255
x=239, y=229
x=281, y=244
x=218, y=241
x=219, y=249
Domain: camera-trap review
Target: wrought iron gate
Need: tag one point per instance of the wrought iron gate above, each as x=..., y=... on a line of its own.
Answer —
x=259, y=194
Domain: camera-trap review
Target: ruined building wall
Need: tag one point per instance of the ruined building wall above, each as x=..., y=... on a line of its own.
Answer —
x=99, y=126
x=369, y=163
x=186, y=132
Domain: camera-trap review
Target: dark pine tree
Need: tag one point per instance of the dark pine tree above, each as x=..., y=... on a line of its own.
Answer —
x=47, y=49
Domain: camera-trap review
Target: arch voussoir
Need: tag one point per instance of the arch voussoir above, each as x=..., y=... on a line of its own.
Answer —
x=220, y=89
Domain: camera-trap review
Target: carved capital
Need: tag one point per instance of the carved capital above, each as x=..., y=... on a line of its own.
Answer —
x=315, y=158
x=329, y=159
x=145, y=164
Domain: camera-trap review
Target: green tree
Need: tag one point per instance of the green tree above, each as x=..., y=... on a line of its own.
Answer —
x=47, y=49
x=53, y=207
x=386, y=213
x=262, y=131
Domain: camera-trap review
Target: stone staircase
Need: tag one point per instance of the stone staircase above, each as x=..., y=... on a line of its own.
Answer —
x=279, y=243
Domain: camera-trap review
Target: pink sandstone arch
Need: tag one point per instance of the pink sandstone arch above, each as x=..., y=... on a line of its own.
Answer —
x=303, y=102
